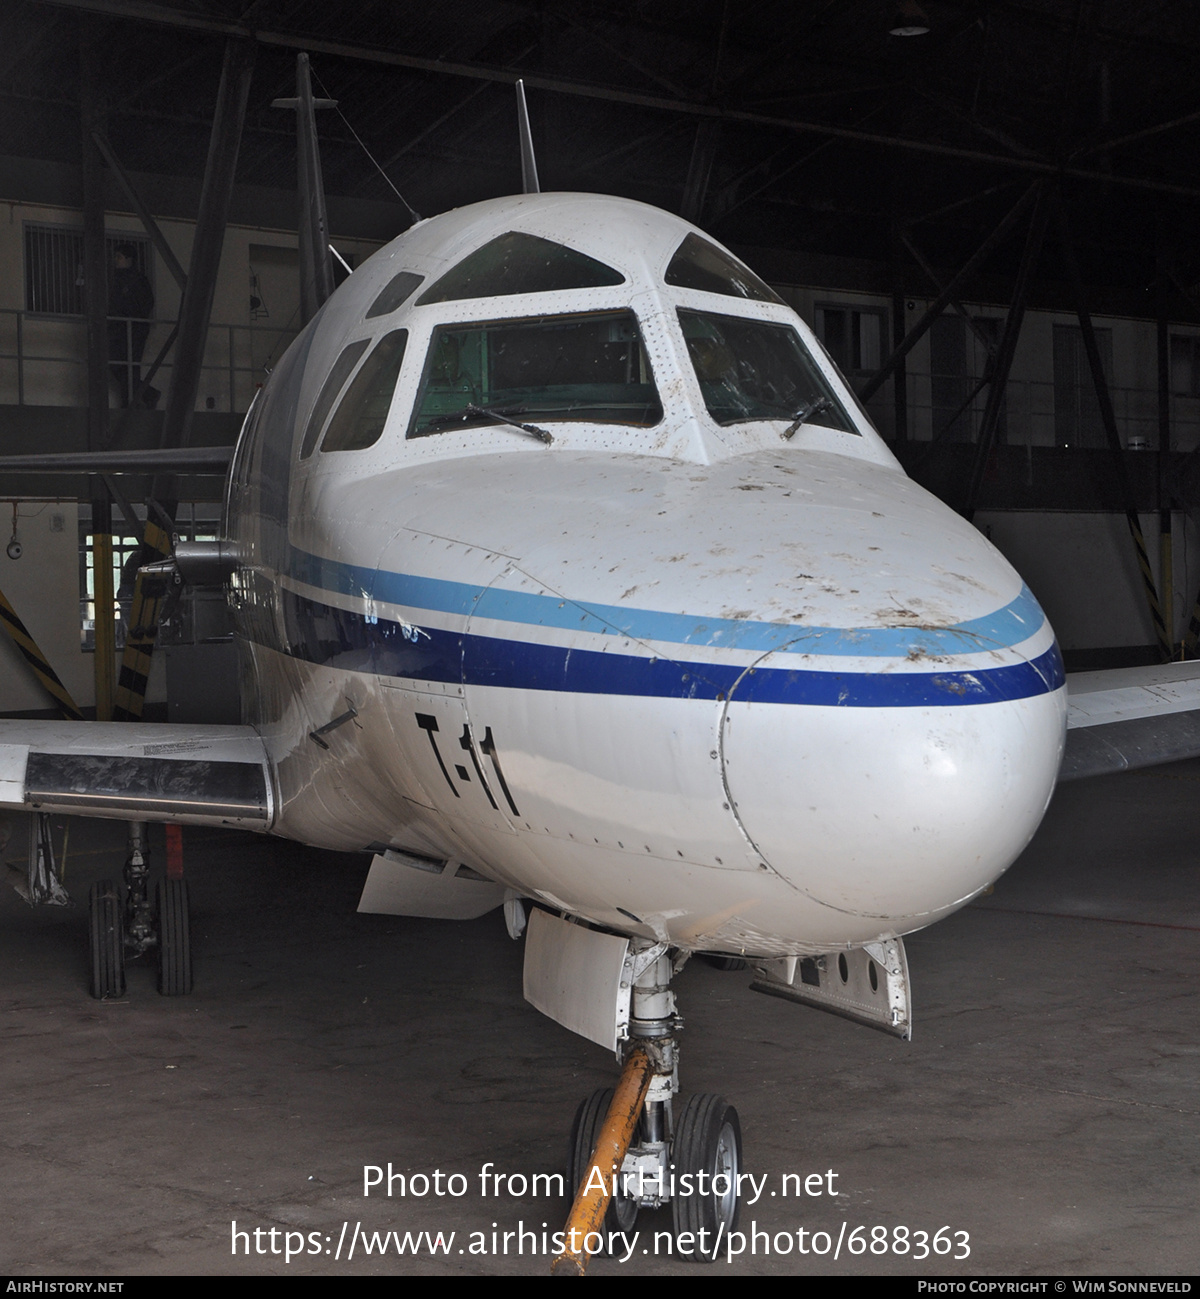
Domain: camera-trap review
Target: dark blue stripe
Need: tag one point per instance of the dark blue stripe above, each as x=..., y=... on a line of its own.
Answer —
x=351, y=641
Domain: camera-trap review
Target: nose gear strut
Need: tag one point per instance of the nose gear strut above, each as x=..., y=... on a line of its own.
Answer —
x=633, y=1153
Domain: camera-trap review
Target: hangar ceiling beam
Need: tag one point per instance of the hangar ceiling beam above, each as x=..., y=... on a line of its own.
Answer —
x=1120, y=141
x=165, y=251
x=941, y=302
x=143, y=11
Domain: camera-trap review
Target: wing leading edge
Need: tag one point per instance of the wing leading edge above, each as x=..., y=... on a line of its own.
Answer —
x=1131, y=717
x=143, y=771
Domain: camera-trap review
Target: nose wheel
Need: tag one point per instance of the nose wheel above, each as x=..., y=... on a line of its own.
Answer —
x=630, y=1151
x=707, y=1150
x=622, y=1209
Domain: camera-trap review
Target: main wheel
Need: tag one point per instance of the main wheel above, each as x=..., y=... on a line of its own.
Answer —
x=174, y=939
x=106, y=941
x=707, y=1150
x=589, y=1119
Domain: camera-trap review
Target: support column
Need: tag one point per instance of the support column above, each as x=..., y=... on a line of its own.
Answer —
x=95, y=261
x=1104, y=398
x=1166, y=552
x=215, y=196
x=104, y=665
x=1008, y=346
x=900, y=375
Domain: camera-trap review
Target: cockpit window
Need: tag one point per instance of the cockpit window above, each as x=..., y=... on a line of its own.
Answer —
x=753, y=369
x=590, y=366
x=328, y=394
x=517, y=263
x=395, y=292
x=359, y=419
x=697, y=264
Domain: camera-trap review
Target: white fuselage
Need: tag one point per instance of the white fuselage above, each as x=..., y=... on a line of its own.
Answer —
x=687, y=679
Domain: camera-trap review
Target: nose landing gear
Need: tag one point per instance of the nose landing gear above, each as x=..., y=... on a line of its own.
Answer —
x=629, y=1150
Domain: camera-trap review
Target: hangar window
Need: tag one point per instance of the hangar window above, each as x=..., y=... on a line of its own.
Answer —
x=328, y=394
x=697, y=264
x=359, y=419
x=1077, y=418
x=395, y=292
x=750, y=369
x=1185, y=365
x=591, y=366
x=853, y=336
x=517, y=263
x=54, y=266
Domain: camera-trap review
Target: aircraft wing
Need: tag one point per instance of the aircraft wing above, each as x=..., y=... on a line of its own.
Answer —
x=137, y=771
x=1131, y=717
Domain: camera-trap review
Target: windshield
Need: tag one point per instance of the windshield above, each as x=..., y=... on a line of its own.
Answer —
x=519, y=263
x=697, y=264
x=590, y=366
x=753, y=369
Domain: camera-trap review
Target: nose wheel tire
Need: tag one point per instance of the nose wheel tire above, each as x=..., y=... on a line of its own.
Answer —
x=174, y=939
x=106, y=941
x=589, y=1119
x=708, y=1150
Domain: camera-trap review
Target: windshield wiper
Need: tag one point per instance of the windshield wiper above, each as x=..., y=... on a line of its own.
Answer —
x=506, y=417
x=805, y=413
x=499, y=416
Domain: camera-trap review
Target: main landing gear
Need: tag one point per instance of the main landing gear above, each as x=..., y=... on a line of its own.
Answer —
x=631, y=1149
x=120, y=932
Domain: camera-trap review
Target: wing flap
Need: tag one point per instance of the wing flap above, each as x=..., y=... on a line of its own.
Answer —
x=196, y=775
x=1131, y=717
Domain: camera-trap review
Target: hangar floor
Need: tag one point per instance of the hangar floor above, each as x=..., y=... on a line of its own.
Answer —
x=1047, y=1104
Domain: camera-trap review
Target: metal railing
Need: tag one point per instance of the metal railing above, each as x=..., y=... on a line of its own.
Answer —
x=1032, y=418
x=43, y=360
x=43, y=363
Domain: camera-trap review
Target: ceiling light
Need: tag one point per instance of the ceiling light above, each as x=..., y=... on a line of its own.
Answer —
x=910, y=20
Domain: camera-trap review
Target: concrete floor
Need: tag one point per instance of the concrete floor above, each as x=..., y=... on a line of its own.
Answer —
x=1047, y=1105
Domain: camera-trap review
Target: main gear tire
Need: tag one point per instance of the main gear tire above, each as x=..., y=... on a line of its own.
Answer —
x=174, y=939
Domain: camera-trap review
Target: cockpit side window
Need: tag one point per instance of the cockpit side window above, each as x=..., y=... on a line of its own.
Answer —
x=519, y=263
x=755, y=369
x=328, y=394
x=697, y=264
x=359, y=419
x=589, y=366
x=394, y=293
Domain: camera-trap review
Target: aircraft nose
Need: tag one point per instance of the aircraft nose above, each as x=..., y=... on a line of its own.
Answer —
x=883, y=789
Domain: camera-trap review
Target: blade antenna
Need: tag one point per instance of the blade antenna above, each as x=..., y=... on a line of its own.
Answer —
x=529, y=176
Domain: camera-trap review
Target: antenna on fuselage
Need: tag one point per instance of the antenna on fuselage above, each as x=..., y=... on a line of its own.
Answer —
x=529, y=176
x=316, y=267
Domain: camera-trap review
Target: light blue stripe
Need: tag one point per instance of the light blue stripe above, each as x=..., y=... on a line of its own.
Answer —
x=1014, y=623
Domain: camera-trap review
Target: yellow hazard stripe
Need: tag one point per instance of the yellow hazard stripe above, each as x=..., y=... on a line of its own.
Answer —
x=28, y=648
x=130, y=697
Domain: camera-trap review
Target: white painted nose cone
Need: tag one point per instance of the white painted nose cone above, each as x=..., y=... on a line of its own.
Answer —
x=892, y=811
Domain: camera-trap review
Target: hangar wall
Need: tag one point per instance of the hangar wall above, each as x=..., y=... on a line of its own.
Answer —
x=1079, y=562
